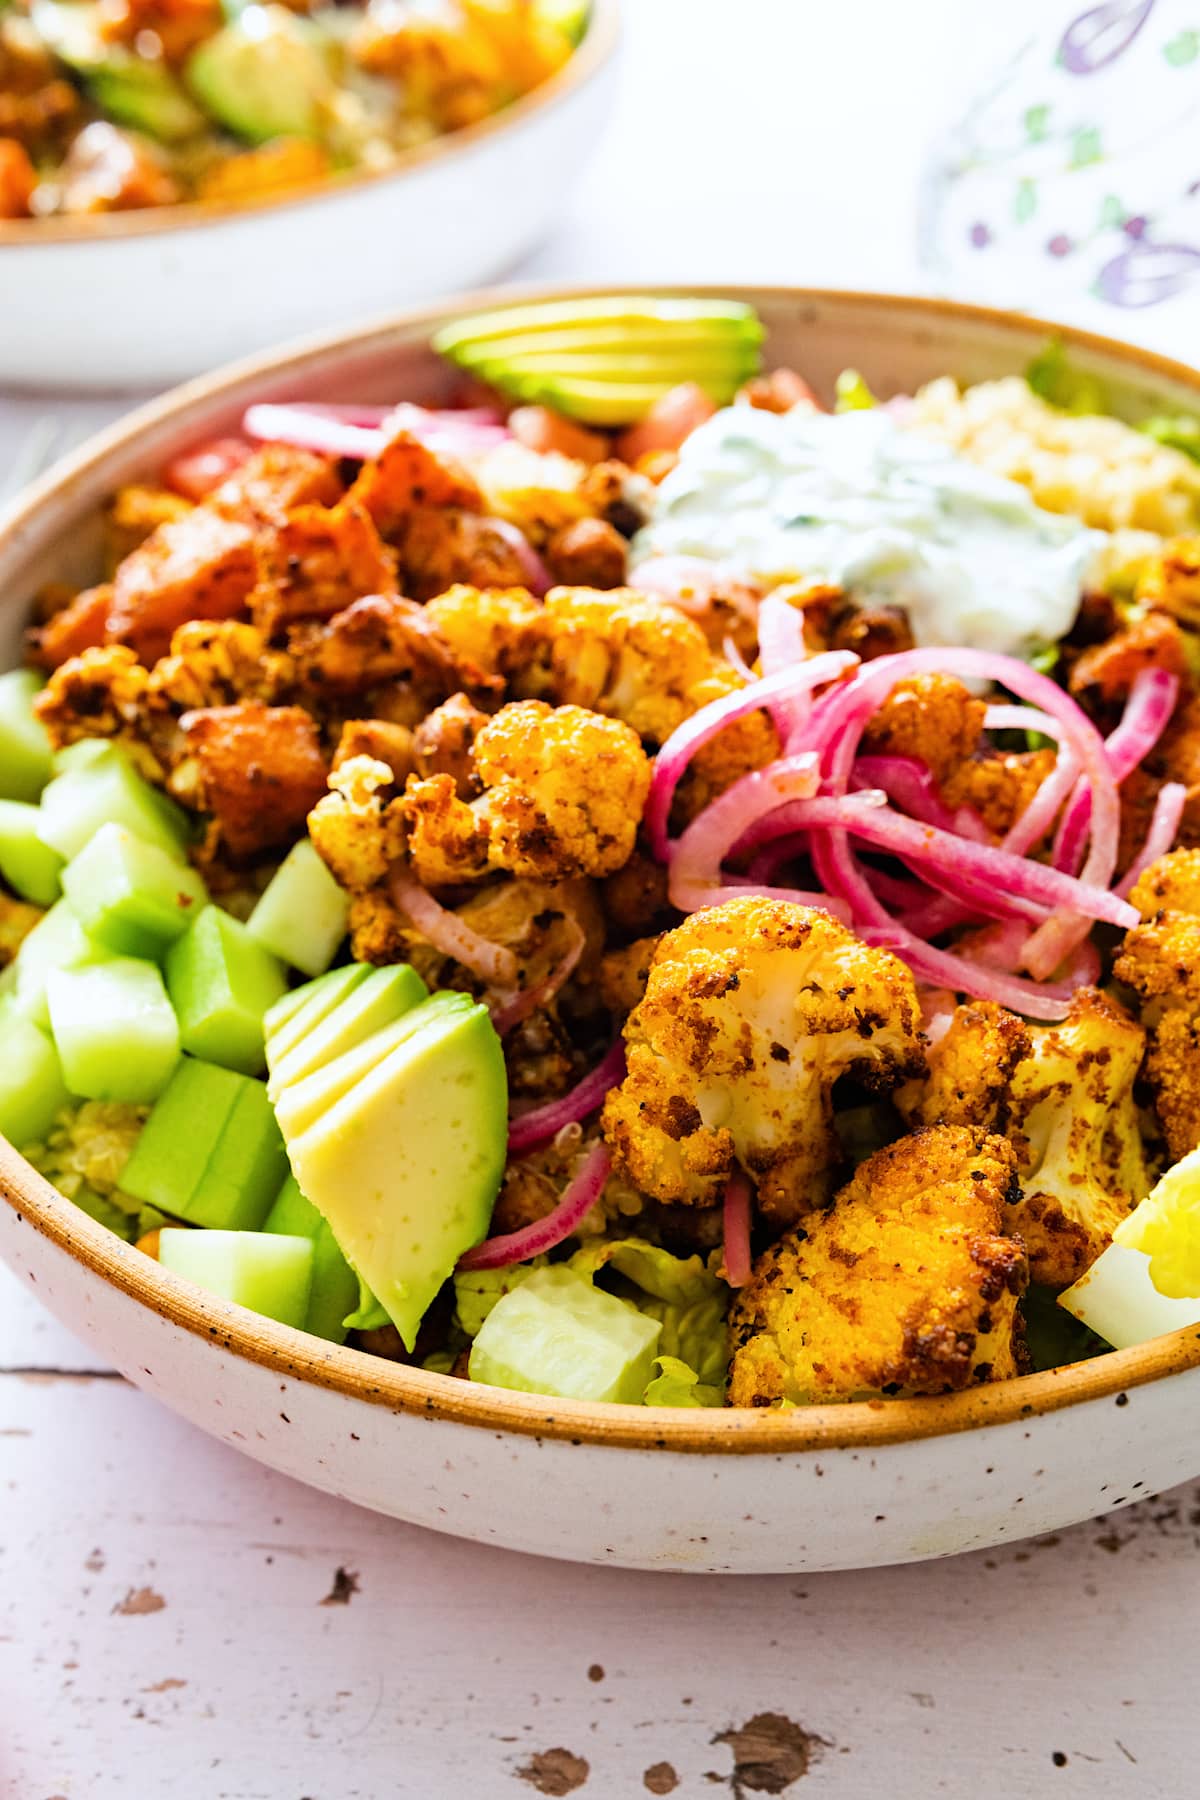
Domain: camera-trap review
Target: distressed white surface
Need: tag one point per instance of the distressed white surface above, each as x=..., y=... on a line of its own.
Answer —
x=452, y=1666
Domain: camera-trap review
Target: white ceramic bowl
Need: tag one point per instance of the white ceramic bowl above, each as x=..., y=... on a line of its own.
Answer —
x=827, y=1487
x=141, y=299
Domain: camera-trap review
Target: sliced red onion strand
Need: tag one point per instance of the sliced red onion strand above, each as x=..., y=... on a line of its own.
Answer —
x=733, y=655
x=735, y=1213
x=781, y=646
x=578, y=1198
x=331, y=430
x=703, y=726
x=450, y=934
x=510, y=1012
x=538, y=578
x=541, y=1123
x=1161, y=835
x=1148, y=711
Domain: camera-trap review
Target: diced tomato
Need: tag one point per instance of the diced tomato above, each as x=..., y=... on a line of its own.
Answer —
x=669, y=421
x=540, y=429
x=197, y=472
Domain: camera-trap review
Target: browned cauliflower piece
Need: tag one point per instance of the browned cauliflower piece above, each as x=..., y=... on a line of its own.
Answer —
x=630, y=657
x=357, y=828
x=1063, y=1094
x=622, y=976
x=502, y=630
x=1160, y=961
x=751, y=1013
x=132, y=514
x=561, y=795
x=100, y=693
x=218, y=662
x=910, y=1283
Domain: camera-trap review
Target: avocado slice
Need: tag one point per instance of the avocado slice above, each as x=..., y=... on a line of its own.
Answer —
x=264, y=75
x=607, y=362
x=406, y=1166
x=385, y=996
x=296, y=1012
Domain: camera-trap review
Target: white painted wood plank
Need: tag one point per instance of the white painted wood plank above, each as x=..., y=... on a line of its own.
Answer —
x=451, y=1666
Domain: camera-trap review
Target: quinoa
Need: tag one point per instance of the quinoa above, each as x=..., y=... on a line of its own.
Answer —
x=1098, y=468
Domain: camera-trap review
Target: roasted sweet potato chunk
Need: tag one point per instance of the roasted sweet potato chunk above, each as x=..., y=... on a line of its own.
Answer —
x=199, y=567
x=258, y=769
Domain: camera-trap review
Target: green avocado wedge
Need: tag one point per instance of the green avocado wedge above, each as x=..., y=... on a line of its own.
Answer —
x=607, y=362
x=406, y=1165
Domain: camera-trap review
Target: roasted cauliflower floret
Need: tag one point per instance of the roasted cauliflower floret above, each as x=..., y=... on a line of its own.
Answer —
x=751, y=1013
x=1160, y=961
x=971, y=1067
x=627, y=656
x=1170, y=582
x=561, y=795
x=910, y=1283
x=218, y=662
x=1073, y=1122
x=100, y=693
x=504, y=631
x=357, y=828
x=1063, y=1095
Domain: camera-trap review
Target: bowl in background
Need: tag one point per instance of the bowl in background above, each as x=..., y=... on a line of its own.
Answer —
x=140, y=299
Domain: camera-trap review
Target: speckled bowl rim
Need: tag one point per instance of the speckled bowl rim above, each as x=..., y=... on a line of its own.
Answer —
x=298, y=1356
x=595, y=51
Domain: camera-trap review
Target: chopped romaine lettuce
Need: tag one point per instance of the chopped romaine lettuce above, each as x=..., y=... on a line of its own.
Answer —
x=682, y=1293
x=476, y=1291
x=557, y=1334
x=678, y=1385
x=1179, y=431
x=369, y=1314
x=1053, y=379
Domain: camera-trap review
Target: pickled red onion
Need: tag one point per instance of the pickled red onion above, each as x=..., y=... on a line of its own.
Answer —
x=1164, y=828
x=541, y=1123
x=449, y=934
x=578, y=1198
x=735, y=1214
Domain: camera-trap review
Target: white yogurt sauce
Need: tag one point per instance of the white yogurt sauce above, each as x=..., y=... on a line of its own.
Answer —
x=892, y=517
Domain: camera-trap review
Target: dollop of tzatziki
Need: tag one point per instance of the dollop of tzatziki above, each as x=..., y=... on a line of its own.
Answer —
x=859, y=502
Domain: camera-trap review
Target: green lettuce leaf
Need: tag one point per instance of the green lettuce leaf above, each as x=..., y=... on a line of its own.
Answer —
x=678, y=1385
x=477, y=1291
x=1179, y=431
x=682, y=1293
x=1053, y=379
x=369, y=1314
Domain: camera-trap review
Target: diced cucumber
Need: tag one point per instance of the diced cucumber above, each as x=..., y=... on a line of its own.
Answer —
x=80, y=755
x=268, y=1273
x=334, y=1293
x=32, y=1090
x=107, y=789
x=131, y=896
x=303, y=913
x=114, y=1028
x=222, y=982
x=180, y=1135
x=25, y=753
x=300, y=1106
x=294, y=1016
x=385, y=996
x=246, y=1167
x=56, y=942
x=557, y=1334
x=29, y=867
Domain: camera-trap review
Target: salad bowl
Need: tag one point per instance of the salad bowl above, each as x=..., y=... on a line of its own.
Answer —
x=171, y=291
x=734, y=1490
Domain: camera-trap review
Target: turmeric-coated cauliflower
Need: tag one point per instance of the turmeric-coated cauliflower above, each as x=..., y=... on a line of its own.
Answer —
x=562, y=792
x=1063, y=1095
x=357, y=828
x=909, y=1283
x=1170, y=582
x=751, y=1013
x=1160, y=960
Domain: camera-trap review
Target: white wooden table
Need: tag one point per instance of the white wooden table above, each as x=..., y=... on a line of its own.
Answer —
x=176, y=1621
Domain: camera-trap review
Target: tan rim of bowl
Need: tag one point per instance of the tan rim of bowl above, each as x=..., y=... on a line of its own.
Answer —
x=294, y=1354
x=594, y=52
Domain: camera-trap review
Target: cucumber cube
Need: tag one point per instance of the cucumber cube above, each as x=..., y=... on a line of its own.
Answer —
x=557, y=1334
x=269, y=1274
x=80, y=755
x=107, y=789
x=114, y=1028
x=32, y=1090
x=294, y=1016
x=56, y=942
x=385, y=996
x=303, y=913
x=246, y=1167
x=25, y=754
x=29, y=867
x=180, y=1135
x=222, y=982
x=334, y=1293
x=131, y=896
